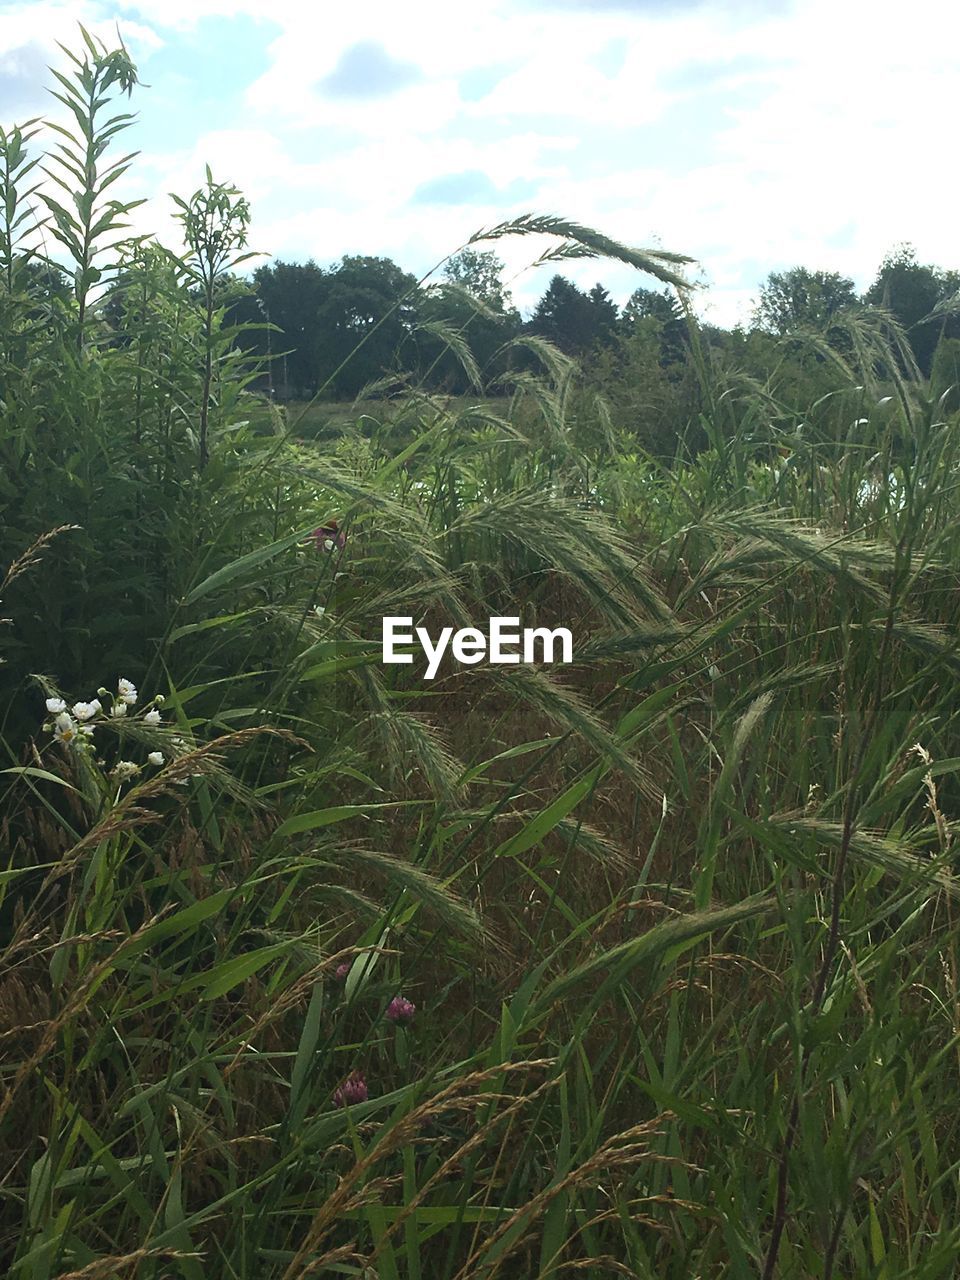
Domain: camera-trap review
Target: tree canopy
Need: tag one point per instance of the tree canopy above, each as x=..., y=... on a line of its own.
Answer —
x=573, y=320
x=912, y=291
x=453, y=335
x=798, y=297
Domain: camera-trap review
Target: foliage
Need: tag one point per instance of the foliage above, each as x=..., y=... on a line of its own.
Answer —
x=644, y=965
x=480, y=272
x=911, y=292
x=573, y=320
x=362, y=305
x=289, y=296
x=789, y=299
x=77, y=170
x=215, y=222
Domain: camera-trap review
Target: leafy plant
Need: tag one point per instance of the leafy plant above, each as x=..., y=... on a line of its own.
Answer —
x=640, y=965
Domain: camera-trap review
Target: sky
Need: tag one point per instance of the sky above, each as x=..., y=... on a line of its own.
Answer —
x=751, y=135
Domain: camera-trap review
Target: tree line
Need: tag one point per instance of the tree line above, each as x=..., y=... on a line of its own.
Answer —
x=923, y=299
x=365, y=323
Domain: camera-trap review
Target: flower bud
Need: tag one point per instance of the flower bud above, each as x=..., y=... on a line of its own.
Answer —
x=400, y=1009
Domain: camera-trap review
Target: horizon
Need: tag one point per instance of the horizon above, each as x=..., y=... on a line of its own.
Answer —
x=762, y=140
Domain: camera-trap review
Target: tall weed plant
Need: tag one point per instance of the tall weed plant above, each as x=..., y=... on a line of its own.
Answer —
x=642, y=966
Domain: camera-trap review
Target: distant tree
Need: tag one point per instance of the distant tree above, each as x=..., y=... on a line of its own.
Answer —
x=560, y=315
x=479, y=272
x=654, y=304
x=911, y=291
x=605, y=313
x=369, y=301
x=42, y=280
x=659, y=312
x=470, y=306
x=789, y=299
x=365, y=305
x=290, y=295
x=575, y=321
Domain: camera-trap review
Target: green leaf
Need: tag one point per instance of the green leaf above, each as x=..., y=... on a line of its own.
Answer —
x=540, y=826
x=222, y=620
x=231, y=973
x=335, y=665
x=336, y=813
x=180, y=922
x=29, y=771
x=252, y=560
x=620, y=960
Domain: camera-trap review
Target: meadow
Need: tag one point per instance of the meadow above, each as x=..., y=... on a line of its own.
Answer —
x=644, y=965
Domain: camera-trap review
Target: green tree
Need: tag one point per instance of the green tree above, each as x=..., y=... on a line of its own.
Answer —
x=656, y=304
x=365, y=323
x=479, y=272
x=451, y=319
x=605, y=313
x=658, y=312
x=290, y=296
x=911, y=291
x=790, y=299
x=465, y=321
x=573, y=320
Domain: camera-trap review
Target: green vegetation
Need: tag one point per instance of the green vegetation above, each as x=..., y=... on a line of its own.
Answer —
x=641, y=966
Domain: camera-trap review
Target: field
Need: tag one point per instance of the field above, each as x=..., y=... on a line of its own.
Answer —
x=643, y=965
x=327, y=421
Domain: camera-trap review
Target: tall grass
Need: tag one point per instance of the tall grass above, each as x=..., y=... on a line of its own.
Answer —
x=678, y=920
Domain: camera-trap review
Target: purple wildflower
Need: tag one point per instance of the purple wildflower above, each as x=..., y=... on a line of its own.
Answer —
x=341, y=971
x=400, y=1009
x=353, y=1089
x=329, y=537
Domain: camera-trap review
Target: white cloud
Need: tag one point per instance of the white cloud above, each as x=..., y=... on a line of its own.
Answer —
x=809, y=134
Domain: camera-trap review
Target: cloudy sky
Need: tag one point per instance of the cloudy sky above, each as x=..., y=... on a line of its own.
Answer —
x=752, y=135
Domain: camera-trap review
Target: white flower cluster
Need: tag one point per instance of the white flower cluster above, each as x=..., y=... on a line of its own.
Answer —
x=75, y=725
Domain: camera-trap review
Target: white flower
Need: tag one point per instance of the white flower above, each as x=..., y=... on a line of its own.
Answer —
x=126, y=691
x=125, y=769
x=65, y=728
x=152, y=717
x=86, y=710
x=155, y=757
x=56, y=705
x=320, y=610
x=118, y=710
